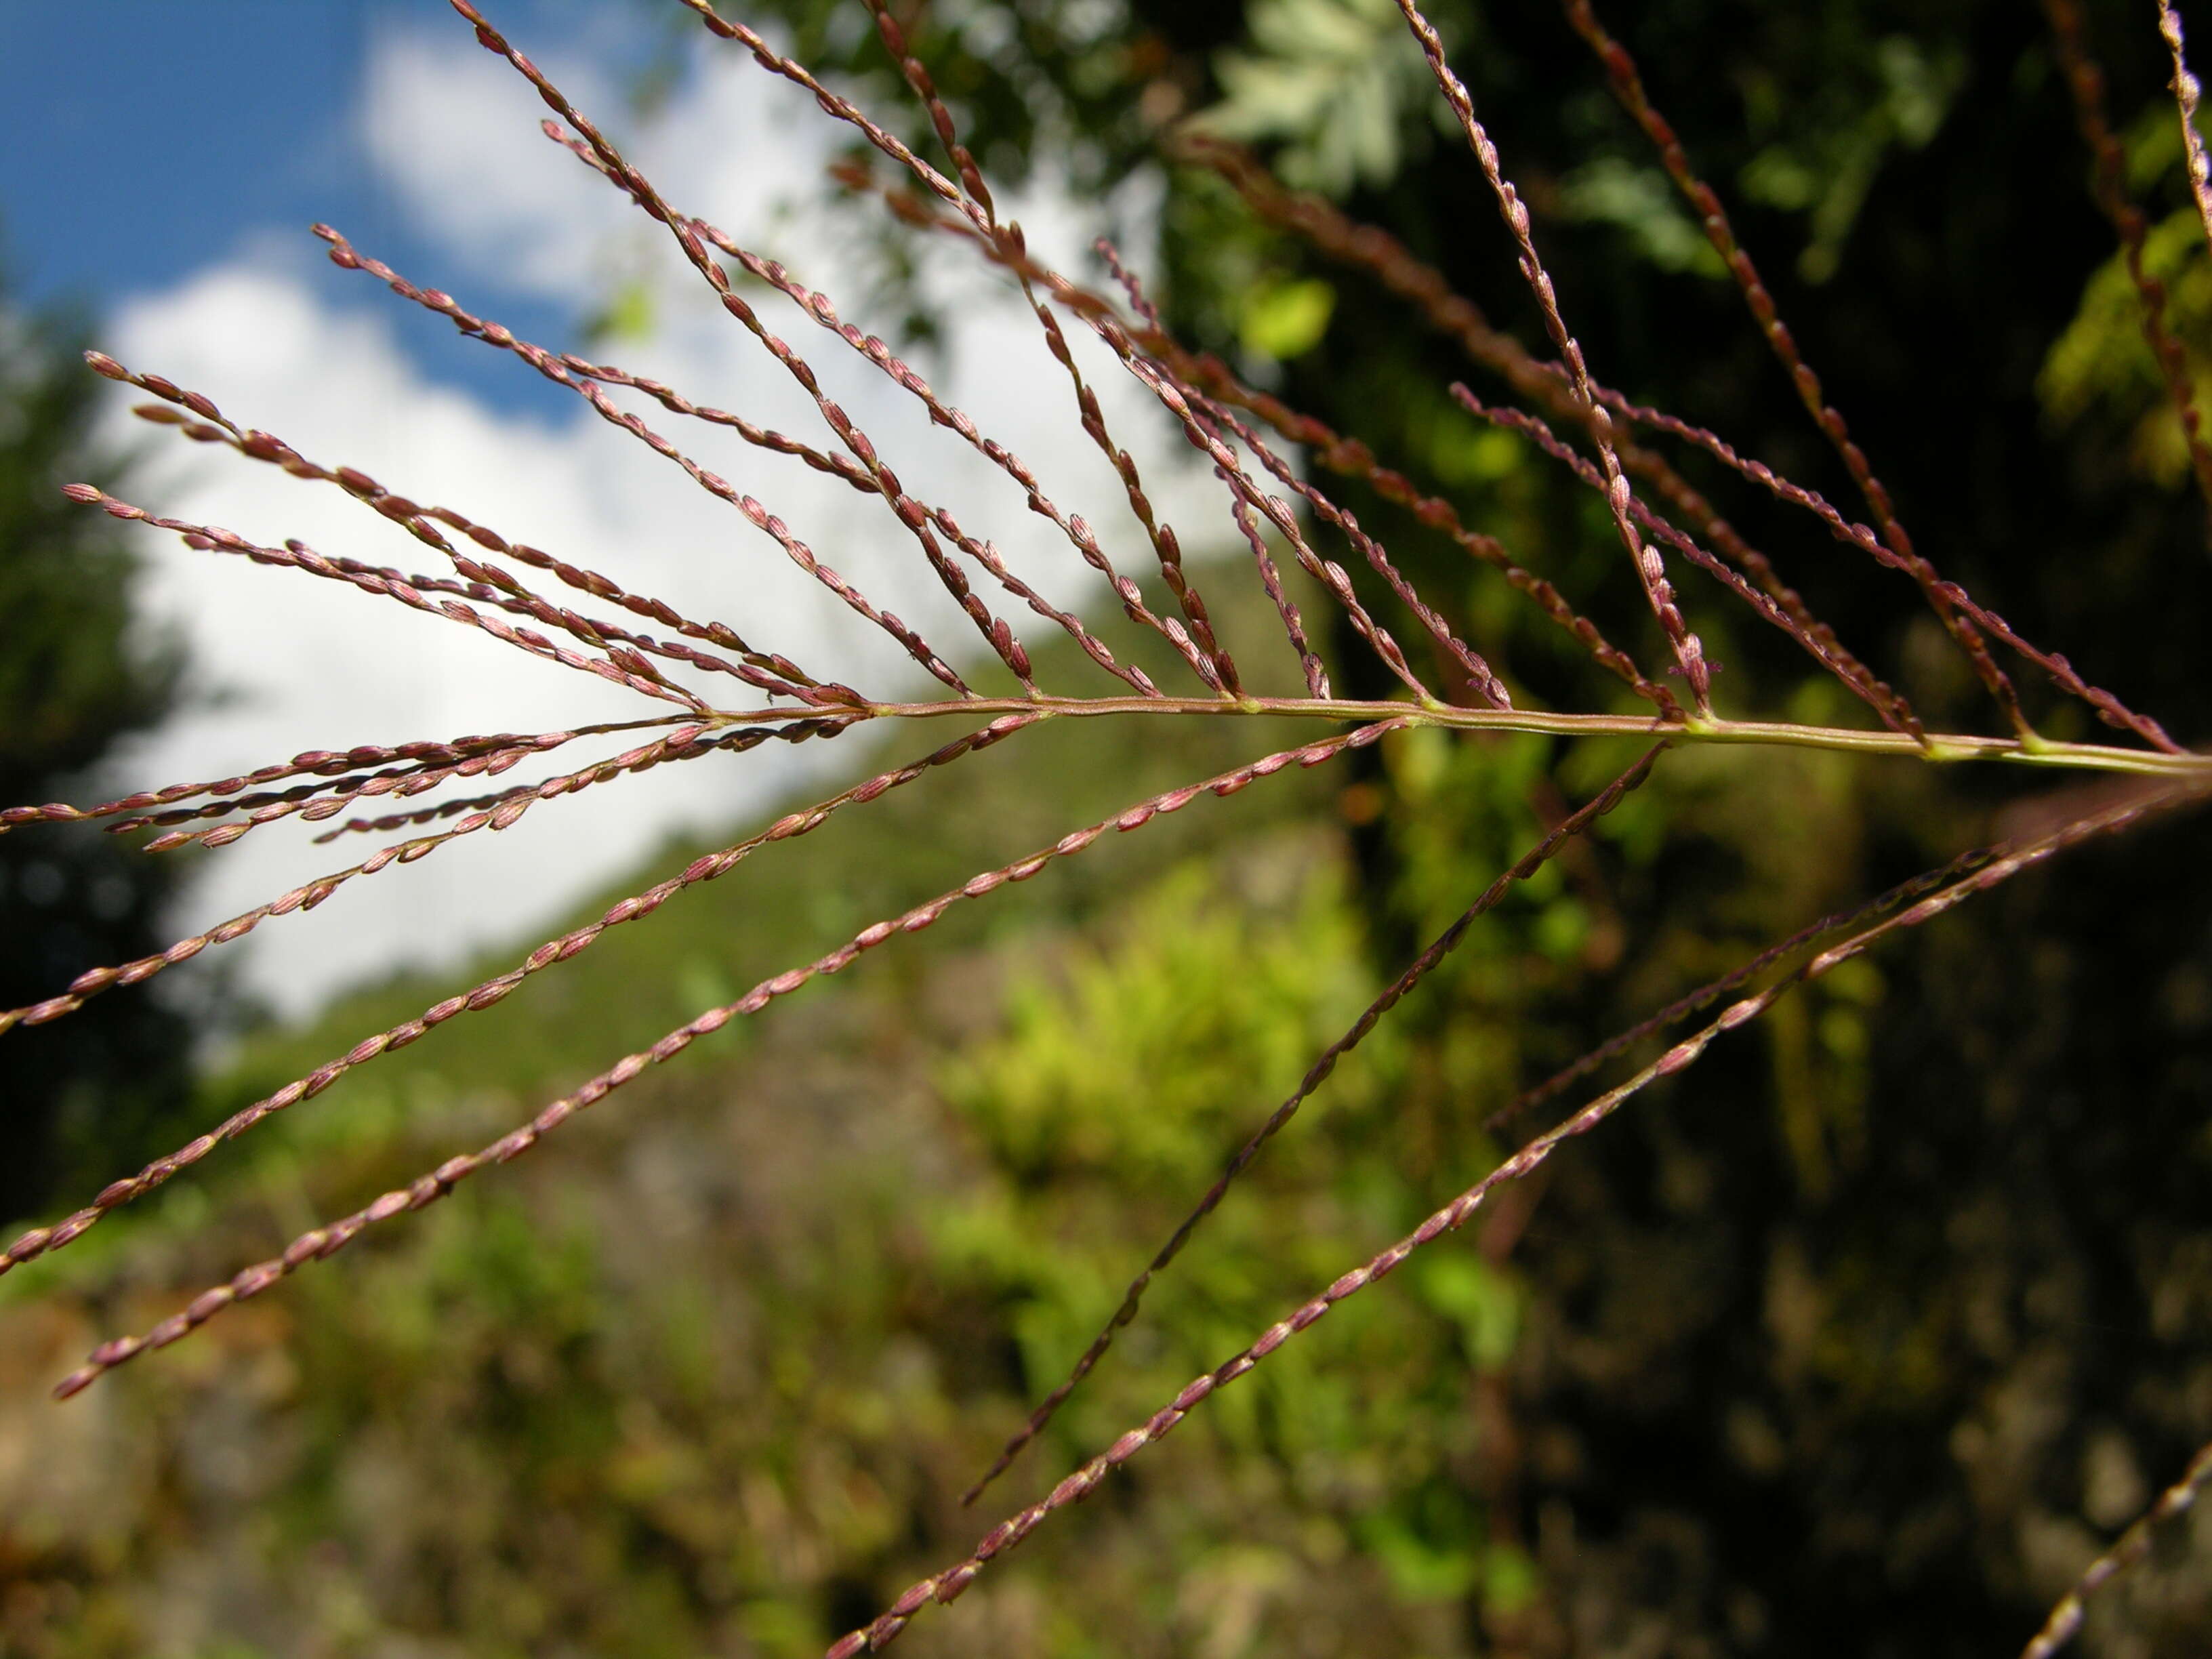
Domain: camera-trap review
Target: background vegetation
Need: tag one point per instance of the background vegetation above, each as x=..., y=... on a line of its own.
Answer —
x=73, y=681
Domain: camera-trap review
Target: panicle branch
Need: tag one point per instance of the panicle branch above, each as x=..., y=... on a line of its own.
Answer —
x=2110, y=710
x=818, y=307
x=1650, y=569
x=767, y=671
x=297, y=555
x=974, y=211
x=2128, y=1550
x=488, y=584
x=313, y=802
x=1881, y=904
x=943, y=1587
x=710, y=867
x=1077, y=533
x=1382, y=256
x=323, y=1241
x=1348, y=456
x=1270, y=579
x=925, y=88
x=1445, y=944
x=1247, y=495
x=685, y=742
x=1271, y=582
x=1167, y=548
x=1213, y=664
x=343, y=255
x=975, y=207
x=1480, y=678
x=2186, y=91
x=1770, y=611
x=909, y=513
x=327, y=763
x=1628, y=87
x=851, y=472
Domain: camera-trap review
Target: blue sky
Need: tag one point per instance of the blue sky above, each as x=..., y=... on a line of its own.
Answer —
x=151, y=138
x=166, y=157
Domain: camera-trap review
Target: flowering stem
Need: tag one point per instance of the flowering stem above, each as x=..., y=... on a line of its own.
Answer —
x=1948, y=746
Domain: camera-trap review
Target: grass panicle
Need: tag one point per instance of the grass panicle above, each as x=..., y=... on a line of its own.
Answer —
x=1269, y=457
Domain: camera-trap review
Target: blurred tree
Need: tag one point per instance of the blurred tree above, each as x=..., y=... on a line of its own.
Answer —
x=80, y=1100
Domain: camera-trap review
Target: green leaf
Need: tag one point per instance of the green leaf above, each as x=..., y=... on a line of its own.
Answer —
x=1287, y=319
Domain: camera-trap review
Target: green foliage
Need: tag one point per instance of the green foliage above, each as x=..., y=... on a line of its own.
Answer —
x=1286, y=319
x=1893, y=98
x=1338, y=83
x=75, y=677
x=1131, y=1070
x=1133, y=1065
x=1641, y=201
x=2102, y=361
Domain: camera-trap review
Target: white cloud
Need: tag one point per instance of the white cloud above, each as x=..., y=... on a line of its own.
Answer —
x=452, y=132
x=451, y=135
